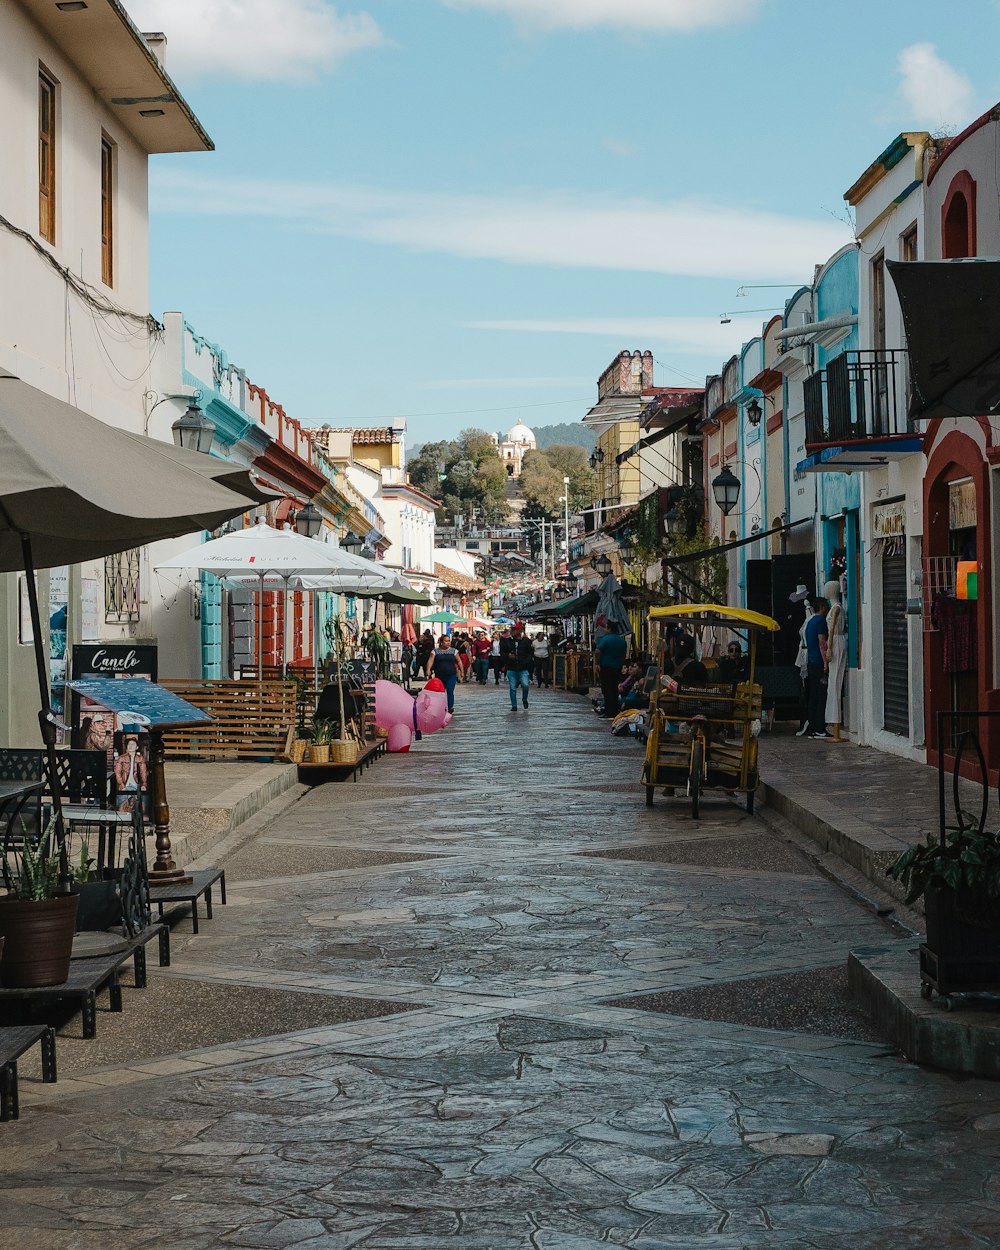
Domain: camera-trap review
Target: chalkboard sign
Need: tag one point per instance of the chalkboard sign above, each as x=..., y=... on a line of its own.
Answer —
x=139, y=702
x=360, y=671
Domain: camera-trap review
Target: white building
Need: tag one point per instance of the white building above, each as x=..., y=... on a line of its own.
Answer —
x=85, y=100
x=513, y=447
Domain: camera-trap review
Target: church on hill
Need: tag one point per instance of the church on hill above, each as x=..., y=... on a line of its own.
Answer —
x=512, y=447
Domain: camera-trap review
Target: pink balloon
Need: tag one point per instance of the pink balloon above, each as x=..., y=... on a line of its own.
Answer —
x=399, y=738
x=432, y=711
x=393, y=706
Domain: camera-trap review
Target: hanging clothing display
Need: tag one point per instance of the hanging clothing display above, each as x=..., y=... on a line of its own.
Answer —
x=957, y=623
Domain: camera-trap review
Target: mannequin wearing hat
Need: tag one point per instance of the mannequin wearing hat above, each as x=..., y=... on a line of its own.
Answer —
x=836, y=624
x=793, y=618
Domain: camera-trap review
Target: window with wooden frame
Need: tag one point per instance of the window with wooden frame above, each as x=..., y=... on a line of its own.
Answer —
x=107, y=211
x=908, y=244
x=46, y=156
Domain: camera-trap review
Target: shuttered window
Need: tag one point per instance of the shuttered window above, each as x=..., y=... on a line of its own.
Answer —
x=107, y=211
x=46, y=157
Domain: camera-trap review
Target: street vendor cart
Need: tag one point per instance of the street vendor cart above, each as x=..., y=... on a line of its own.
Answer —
x=704, y=737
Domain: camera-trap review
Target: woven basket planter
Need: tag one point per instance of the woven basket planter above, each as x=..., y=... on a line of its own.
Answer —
x=343, y=750
x=298, y=750
x=318, y=753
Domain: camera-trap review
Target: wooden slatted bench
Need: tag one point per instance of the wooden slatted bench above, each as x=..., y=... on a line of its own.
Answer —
x=14, y=1042
x=189, y=892
x=89, y=975
x=250, y=720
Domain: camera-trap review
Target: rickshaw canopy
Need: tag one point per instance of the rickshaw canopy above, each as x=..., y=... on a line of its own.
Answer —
x=714, y=614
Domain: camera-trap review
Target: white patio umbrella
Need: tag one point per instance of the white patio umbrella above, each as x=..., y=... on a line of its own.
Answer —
x=262, y=554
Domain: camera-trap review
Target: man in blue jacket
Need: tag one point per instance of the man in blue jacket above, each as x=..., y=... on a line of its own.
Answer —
x=520, y=661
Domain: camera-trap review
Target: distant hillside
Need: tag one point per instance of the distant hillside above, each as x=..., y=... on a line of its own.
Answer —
x=574, y=432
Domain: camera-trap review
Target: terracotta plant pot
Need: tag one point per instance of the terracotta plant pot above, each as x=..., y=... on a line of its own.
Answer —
x=38, y=940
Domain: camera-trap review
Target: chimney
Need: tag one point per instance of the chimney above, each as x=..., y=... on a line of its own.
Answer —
x=156, y=42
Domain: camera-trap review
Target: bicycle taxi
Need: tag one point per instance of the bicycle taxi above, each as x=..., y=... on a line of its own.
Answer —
x=705, y=737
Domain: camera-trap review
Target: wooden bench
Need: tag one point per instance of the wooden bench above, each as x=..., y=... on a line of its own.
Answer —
x=250, y=720
x=13, y=1044
x=89, y=975
x=318, y=774
x=189, y=892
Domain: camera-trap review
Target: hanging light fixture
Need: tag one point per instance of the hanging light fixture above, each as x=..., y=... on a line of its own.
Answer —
x=754, y=412
x=193, y=430
x=308, y=521
x=351, y=543
x=673, y=521
x=602, y=565
x=726, y=489
x=627, y=549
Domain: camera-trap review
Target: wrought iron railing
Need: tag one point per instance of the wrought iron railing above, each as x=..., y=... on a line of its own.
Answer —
x=865, y=398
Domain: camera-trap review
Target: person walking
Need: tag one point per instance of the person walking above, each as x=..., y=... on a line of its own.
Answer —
x=425, y=650
x=481, y=648
x=611, y=649
x=540, y=650
x=496, y=661
x=444, y=665
x=519, y=666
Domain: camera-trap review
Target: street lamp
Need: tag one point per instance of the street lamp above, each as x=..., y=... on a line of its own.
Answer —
x=673, y=522
x=602, y=566
x=351, y=543
x=627, y=549
x=308, y=521
x=193, y=430
x=754, y=412
x=726, y=489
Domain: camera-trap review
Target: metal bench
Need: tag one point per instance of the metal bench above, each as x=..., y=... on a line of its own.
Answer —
x=89, y=975
x=14, y=1042
x=189, y=892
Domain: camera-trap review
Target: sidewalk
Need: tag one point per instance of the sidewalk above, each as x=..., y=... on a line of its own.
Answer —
x=861, y=804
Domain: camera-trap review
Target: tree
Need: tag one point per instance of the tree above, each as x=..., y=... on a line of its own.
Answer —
x=465, y=474
x=542, y=474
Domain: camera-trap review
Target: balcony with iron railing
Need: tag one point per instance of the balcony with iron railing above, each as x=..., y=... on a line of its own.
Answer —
x=861, y=397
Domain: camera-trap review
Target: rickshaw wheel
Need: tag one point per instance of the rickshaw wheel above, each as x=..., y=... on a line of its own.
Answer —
x=697, y=763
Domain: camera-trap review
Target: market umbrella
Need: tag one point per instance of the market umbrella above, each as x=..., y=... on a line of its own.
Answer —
x=441, y=618
x=609, y=609
x=408, y=633
x=74, y=489
x=261, y=555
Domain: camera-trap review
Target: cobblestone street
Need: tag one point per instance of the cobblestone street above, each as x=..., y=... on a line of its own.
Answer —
x=500, y=887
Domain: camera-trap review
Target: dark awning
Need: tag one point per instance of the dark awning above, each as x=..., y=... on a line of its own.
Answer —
x=951, y=313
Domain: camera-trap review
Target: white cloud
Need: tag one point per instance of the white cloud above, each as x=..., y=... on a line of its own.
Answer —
x=557, y=230
x=936, y=93
x=624, y=148
x=260, y=40
x=646, y=15
x=691, y=335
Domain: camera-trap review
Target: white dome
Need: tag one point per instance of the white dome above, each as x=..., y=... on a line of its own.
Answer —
x=520, y=434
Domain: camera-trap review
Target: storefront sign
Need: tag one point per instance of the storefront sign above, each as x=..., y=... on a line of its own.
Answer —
x=95, y=728
x=114, y=660
x=889, y=519
x=962, y=505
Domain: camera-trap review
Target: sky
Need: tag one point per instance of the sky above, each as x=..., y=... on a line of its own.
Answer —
x=460, y=211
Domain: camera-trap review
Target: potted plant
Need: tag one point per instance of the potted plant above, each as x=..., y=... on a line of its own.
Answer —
x=37, y=919
x=318, y=750
x=958, y=878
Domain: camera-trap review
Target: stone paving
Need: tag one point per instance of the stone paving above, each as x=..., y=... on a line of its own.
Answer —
x=511, y=1106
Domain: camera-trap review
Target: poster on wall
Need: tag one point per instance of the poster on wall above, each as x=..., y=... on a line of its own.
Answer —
x=93, y=727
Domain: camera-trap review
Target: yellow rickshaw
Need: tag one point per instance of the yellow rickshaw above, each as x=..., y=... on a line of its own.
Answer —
x=705, y=737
